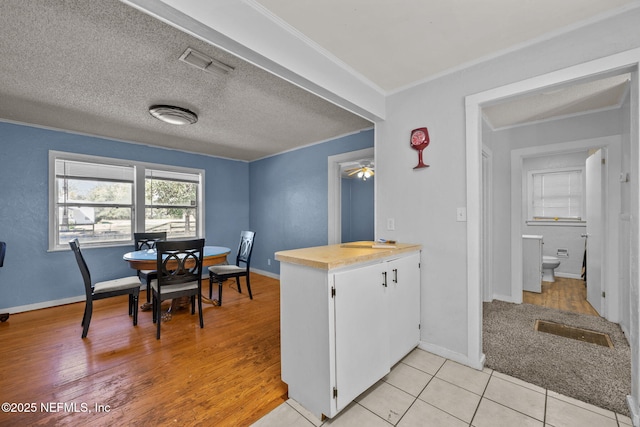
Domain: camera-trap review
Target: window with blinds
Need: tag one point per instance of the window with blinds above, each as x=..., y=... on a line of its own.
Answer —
x=93, y=201
x=556, y=195
x=171, y=202
x=103, y=201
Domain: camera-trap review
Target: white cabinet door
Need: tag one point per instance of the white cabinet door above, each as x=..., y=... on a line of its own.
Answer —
x=532, y=265
x=404, y=305
x=361, y=331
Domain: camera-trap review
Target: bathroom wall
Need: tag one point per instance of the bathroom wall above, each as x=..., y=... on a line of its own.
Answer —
x=558, y=236
x=502, y=142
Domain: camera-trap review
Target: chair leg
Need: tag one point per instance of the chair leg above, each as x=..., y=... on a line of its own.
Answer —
x=153, y=309
x=220, y=292
x=88, y=311
x=157, y=310
x=238, y=283
x=210, y=285
x=200, y=310
x=134, y=304
x=84, y=315
x=193, y=304
x=249, y=286
x=148, y=288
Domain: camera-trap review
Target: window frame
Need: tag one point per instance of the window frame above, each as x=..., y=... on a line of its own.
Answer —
x=139, y=203
x=565, y=221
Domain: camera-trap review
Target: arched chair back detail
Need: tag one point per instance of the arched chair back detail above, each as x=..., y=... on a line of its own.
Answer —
x=146, y=241
x=220, y=273
x=101, y=290
x=179, y=274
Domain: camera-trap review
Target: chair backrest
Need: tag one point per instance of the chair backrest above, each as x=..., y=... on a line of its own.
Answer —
x=3, y=250
x=245, y=249
x=179, y=261
x=86, y=276
x=148, y=240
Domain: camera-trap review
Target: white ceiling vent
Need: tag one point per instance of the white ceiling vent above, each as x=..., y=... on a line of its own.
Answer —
x=204, y=62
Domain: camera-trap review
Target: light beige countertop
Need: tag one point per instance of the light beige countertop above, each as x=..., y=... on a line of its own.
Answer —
x=343, y=255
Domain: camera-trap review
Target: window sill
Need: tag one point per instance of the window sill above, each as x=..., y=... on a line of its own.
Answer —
x=558, y=223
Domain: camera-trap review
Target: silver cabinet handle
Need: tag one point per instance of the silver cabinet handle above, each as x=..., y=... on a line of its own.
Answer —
x=384, y=279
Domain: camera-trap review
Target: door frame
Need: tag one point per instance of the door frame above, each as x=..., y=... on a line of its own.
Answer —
x=612, y=150
x=628, y=60
x=335, y=190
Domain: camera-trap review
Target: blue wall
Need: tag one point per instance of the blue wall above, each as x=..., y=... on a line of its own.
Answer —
x=33, y=275
x=288, y=198
x=357, y=210
x=283, y=198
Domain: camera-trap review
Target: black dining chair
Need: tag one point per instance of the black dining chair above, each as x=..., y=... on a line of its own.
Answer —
x=3, y=250
x=148, y=241
x=219, y=273
x=179, y=274
x=107, y=289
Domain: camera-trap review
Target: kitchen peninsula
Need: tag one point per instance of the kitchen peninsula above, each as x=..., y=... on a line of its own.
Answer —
x=348, y=313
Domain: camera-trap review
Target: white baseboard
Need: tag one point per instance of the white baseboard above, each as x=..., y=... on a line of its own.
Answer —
x=266, y=273
x=506, y=298
x=452, y=355
x=567, y=275
x=44, y=304
x=633, y=410
x=71, y=300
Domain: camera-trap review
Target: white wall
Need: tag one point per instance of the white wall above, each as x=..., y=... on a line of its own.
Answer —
x=423, y=202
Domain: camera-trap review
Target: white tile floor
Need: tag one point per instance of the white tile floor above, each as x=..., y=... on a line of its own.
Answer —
x=428, y=390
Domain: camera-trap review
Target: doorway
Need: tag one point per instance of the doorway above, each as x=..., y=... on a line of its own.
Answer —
x=335, y=189
x=571, y=153
x=623, y=62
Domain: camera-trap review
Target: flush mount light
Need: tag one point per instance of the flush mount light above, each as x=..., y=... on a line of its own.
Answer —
x=173, y=115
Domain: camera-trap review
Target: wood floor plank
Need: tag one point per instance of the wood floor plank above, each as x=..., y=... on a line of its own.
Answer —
x=227, y=374
x=563, y=294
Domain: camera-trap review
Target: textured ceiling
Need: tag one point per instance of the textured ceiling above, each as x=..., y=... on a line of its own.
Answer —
x=96, y=66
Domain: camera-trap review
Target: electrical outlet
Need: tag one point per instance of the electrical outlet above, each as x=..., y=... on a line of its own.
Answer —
x=268, y=261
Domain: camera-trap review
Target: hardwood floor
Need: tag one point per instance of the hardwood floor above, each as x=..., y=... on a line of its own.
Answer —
x=227, y=374
x=563, y=294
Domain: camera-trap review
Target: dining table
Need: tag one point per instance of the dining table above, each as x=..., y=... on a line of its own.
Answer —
x=147, y=259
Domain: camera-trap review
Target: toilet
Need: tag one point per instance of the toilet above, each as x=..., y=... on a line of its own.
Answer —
x=549, y=264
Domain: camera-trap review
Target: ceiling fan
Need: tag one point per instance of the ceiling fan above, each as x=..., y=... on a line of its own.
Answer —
x=364, y=171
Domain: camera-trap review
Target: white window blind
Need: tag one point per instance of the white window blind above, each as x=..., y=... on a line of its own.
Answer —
x=556, y=195
x=103, y=201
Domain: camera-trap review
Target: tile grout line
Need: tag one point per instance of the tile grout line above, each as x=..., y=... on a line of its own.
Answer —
x=546, y=398
x=481, y=397
x=418, y=394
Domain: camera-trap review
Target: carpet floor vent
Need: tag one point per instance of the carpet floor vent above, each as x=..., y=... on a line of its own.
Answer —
x=574, y=333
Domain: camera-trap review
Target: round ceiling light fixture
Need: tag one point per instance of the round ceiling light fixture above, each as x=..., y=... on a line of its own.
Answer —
x=173, y=115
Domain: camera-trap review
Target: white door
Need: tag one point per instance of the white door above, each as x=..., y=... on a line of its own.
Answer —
x=362, y=331
x=403, y=278
x=594, y=236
